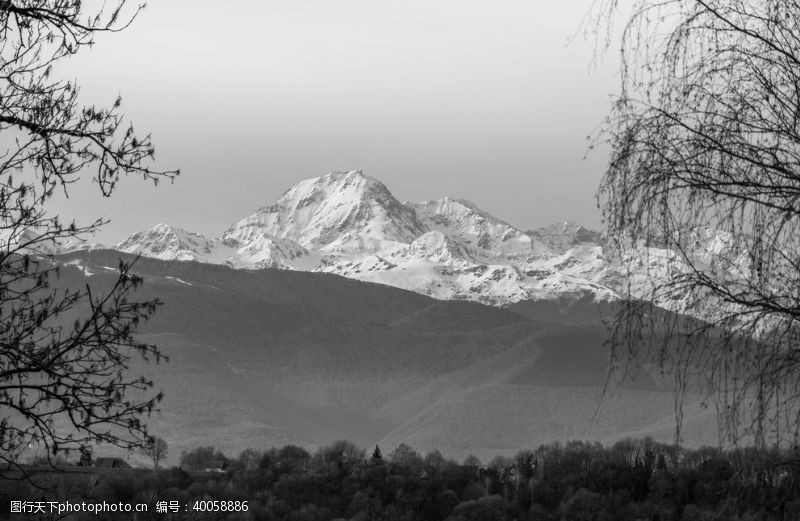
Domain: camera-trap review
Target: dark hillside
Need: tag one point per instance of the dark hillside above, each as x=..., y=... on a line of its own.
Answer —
x=270, y=357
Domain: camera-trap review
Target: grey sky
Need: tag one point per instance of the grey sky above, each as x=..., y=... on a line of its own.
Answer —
x=467, y=98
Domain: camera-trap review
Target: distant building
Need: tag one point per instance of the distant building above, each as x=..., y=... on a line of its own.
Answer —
x=215, y=466
x=111, y=463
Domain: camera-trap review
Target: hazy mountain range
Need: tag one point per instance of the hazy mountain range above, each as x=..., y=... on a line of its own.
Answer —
x=302, y=354
x=351, y=225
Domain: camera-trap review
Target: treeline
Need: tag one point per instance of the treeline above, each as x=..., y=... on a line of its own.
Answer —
x=631, y=480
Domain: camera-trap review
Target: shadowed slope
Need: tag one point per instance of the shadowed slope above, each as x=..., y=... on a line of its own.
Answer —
x=268, y=357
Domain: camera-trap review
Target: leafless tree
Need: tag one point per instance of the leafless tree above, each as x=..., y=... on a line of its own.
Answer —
x=155, y=449
x=705, y=173
x=63, y=351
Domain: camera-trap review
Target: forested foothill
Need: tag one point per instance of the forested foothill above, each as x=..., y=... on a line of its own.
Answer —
x=632, y=479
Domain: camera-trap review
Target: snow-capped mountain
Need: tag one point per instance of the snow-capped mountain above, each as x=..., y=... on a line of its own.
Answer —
x=463, y=221
x=561, y=237
x=340, y=213
x=262, y=250
x=31, y=240
x=168, y=243
x=351, y=225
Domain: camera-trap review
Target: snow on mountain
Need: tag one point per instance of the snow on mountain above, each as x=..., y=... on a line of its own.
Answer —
x=351, y=225
x=643, y=271
x=268, y=251
x=561, y=237
x=168, y=243
x=340, y=212
x=32, y=241
x=261, y=251
x=462, y=220
x=437, y=247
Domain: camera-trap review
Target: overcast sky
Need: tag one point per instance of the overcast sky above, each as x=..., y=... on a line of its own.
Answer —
x=487, y=101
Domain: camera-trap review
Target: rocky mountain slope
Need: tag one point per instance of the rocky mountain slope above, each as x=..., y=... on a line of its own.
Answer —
x=350, y=224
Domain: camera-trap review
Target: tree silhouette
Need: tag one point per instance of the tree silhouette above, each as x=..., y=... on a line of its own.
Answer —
x=155, y=449
x=705, y=175
x=63, y=351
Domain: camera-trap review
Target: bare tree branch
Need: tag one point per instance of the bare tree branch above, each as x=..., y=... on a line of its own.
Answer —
x=64, y=352
x=705, y=175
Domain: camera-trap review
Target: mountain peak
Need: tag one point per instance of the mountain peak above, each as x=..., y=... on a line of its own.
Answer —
x=350, y=175
x=463, y=220
x=167, y=242
x=347, y=223
x=340, y=211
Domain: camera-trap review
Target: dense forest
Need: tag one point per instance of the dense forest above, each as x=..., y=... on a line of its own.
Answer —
x=631, y=480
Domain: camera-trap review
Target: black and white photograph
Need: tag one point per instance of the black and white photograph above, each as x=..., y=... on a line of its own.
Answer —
x=400, y=260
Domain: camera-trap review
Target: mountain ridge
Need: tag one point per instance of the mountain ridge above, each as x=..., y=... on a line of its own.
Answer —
x=350, y=224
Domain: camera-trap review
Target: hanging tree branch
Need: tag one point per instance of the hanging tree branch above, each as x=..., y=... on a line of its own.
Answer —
x=705, y=174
